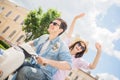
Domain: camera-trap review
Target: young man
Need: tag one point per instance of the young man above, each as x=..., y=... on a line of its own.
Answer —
x=53, y=55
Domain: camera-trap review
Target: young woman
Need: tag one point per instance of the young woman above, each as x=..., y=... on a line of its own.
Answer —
x=77, y=50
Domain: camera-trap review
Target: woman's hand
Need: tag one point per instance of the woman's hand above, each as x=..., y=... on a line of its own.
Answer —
x=98, y=47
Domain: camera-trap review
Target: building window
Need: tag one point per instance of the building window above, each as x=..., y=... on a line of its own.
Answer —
x=22, y=23
x=12, y=34
x=19, y=38
x=1, y=9
x=16, y=6
x=8, y=13
x=16, y=18
x=76, y=78
x=5, y=29
x=70, y=73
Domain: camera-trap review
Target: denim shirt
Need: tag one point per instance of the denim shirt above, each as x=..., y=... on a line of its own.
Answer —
x=56, y=50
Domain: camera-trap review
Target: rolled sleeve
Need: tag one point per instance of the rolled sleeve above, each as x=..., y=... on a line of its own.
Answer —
x=65, y=55
x=35, y=42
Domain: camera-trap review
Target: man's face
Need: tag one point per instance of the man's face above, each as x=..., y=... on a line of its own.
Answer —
x=54, y=27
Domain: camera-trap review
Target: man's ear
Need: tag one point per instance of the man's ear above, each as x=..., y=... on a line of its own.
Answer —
x=61, y=30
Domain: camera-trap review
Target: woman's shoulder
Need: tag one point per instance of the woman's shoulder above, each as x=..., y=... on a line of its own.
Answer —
x=80, y=60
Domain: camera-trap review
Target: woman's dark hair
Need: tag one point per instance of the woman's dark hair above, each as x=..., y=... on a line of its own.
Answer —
x=78, y=54
x=63, y=25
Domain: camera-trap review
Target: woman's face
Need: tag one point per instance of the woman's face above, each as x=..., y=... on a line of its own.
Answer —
x=79, y=47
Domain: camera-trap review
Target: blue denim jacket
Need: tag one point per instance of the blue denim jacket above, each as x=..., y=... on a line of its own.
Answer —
x=56, y=50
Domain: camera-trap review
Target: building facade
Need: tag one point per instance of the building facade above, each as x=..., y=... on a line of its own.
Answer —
x=79, y=74
x=11, y=20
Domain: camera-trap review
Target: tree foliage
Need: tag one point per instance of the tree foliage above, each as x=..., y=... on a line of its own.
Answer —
x=37, y=22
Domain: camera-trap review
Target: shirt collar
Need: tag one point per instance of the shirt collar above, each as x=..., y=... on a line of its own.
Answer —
x=55, y=40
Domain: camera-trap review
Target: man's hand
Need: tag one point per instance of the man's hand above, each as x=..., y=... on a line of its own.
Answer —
x=80, y=15
x=1, y=73
x=41, y=60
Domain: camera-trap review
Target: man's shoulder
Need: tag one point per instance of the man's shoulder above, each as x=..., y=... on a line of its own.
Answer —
x=44, y=35
x=41, y=39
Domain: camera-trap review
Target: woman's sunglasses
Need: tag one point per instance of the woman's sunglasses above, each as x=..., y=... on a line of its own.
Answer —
x=82, y=47
x=54, y=23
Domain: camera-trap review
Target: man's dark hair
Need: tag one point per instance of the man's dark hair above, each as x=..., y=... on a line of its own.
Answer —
x=63, y=25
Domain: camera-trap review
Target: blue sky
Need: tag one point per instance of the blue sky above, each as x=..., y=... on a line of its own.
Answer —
x=100, y=24
x=107, y=64
x=111, y=20
x=117, y=44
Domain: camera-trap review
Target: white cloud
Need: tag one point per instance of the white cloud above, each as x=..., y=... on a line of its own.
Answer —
x=93, y=33
x=107, y=38
x=102, y=35
x=117, y=2
x=107, y=76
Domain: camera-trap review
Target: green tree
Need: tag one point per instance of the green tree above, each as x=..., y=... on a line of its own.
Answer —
x=37, y=22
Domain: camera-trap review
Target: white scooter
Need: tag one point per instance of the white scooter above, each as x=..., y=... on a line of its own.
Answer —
x=13, y=58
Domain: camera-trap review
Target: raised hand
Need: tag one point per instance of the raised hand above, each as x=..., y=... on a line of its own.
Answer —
x=97, y=57
x=80, y=15
x=98, y=46
x=70, y=31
